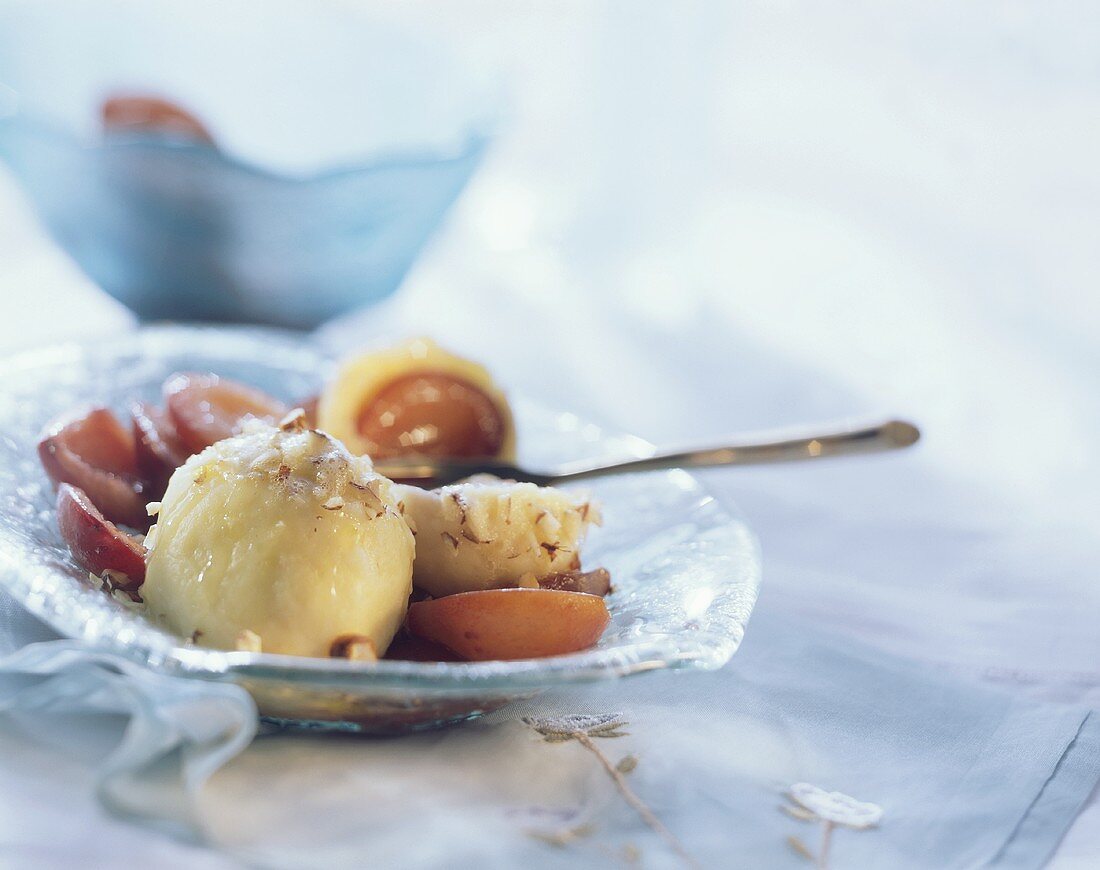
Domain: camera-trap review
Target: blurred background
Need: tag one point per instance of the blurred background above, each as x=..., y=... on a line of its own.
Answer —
x=683, y=219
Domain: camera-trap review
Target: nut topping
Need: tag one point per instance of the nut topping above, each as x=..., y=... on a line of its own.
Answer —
x=249, y=641
x=354, y=648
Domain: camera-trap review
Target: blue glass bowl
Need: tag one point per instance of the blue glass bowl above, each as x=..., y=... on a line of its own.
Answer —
x=183, y=230
x=179, y=231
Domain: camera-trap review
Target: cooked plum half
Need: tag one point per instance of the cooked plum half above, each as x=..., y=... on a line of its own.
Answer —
x=96, y=543
x=417, y=399
x=158, y=448
x=205, y=408
x=510, y=623
x=143, y=113
x=96, y=453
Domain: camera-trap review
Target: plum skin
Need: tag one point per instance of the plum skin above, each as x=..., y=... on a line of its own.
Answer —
x=96, y=543
x=508, y=624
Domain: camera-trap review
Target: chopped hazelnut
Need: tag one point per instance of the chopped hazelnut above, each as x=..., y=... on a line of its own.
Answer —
x=597, y=582
x=353, y=647
x=295, y=421
x=127, y=599
x=249, y=641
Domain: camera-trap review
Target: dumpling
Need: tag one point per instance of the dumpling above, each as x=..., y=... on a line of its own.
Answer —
x=488, y=533
x=280, y=534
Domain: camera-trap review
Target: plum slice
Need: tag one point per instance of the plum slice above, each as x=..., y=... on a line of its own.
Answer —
x=145, y=113
x=510, y=623
x=96, y=453
x=408, y=648
x=96, y=543
x=158, y=447
x=205, y=408
x=432, y=414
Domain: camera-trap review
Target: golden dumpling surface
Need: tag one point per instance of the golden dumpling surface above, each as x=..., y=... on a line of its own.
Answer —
x=279, y=533
x=487, y=533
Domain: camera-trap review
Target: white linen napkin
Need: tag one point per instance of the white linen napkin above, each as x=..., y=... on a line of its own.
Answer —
x=711, y=770
x=189, y=726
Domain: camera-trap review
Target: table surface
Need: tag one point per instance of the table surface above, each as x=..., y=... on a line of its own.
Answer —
x=756, y=217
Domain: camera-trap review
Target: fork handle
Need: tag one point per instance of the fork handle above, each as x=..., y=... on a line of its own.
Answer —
x=873, y=438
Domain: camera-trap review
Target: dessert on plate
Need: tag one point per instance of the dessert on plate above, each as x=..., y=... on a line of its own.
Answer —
x=240, y=521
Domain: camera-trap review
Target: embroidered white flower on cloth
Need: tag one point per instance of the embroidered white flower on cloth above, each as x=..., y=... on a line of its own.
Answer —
x=835, y=807
x=582, y=727
x=832, y=809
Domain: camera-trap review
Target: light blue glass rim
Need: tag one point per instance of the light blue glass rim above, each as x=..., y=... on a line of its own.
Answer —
x=162, y=651
x=475, y=142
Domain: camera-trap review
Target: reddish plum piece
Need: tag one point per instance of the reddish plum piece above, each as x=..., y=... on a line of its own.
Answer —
x=407, y=648
x=510, y=624
x=96, y=453
x=206, y=409
x=148, y=114
x=159, y=450
x=96, y=543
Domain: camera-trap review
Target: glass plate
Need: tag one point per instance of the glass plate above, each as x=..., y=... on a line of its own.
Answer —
x=685, y=569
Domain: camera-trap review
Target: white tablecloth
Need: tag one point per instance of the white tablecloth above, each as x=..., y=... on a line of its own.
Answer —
x=710, y=220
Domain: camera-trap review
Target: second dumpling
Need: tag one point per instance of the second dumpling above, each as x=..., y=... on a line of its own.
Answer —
x=490, y=533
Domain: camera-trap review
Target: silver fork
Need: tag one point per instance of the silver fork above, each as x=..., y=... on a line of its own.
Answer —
x=749, y=450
